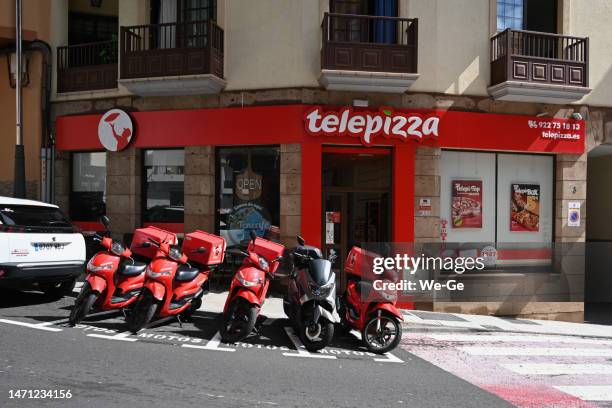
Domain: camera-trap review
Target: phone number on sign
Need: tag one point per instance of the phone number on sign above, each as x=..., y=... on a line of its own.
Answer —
x=40, y=394
x=552, y=125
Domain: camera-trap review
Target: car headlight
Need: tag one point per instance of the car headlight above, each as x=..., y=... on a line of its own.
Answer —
x=98, y=268
x=245, y=282
x=263, y=264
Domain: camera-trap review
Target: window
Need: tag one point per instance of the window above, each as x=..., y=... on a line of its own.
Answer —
x=25, y=218
x=512, y=200
x=87, y=28
x=509, y=14
x=164, y=197
x=533, y=15
x=248, y=192
x=346, y=29
x=88, y=192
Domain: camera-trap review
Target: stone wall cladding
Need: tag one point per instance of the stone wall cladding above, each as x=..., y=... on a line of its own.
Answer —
x=290, y=192
x=200, y=188
x=124, y=190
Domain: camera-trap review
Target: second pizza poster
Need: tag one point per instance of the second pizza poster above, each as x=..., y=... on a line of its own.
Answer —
x=525, y=210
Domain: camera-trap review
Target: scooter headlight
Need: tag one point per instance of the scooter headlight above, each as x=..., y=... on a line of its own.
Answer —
x=245, y=282
x=98, y=268
x=321, y=291
x=153, y=274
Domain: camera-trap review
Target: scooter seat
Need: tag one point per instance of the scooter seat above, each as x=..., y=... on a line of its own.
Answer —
x=186, y=273
x=128, y=269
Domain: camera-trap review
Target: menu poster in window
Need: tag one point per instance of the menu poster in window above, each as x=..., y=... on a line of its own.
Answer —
x=466, y=204
x=525, y=208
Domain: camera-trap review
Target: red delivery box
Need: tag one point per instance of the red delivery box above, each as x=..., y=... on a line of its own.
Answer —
x=360, y=263
x=142, y=235
x=214, y=248
x=268, y=249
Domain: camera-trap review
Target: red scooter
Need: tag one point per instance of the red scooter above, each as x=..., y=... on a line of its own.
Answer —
x=372, y=312
x=173, y=288
x=114, y=280
x=249, y=287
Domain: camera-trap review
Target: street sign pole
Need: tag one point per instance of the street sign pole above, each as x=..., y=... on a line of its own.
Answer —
x=19, y=187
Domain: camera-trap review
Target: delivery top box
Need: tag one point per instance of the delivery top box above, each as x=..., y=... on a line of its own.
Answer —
x=213, y=248
x=142, y=235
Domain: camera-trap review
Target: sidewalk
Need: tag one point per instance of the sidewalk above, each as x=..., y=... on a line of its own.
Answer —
x=420, y=320
x=416, y=319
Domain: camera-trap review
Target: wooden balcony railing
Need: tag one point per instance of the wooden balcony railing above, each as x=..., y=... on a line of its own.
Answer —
x=87, y=67
x=369, y=43
x=528, y=56
x=172, y=49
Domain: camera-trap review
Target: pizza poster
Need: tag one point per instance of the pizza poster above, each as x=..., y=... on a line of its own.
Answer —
x=525, y=208
x=466, y=204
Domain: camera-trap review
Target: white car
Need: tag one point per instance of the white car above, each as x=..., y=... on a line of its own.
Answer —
x=38, y=247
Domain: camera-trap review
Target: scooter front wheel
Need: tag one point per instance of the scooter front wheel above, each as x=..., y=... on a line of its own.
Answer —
x=82, y=306
x=239, y=321
x=381, y=334
x=317, y=336
x=142, y=313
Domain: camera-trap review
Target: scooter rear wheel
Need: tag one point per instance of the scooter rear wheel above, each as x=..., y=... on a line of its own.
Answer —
x=384, y=338
x=82, y=306
x=239, y=321
x=142, y=313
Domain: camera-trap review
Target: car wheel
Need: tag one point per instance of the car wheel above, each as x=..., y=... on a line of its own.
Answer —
x=57, y=290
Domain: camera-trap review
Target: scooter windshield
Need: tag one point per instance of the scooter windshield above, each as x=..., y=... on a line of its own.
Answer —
x=320, y=271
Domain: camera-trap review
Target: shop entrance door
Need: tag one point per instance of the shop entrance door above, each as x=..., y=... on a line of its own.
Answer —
x=356, y=200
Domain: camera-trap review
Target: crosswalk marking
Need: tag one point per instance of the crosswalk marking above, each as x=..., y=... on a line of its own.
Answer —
x=588, y=392
x=475, y=338
x=496, y=350
x=560, y=368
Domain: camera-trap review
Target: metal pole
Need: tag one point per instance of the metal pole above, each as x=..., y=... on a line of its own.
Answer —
x=19, y=187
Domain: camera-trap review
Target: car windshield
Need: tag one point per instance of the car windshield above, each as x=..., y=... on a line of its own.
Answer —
x=33, y=219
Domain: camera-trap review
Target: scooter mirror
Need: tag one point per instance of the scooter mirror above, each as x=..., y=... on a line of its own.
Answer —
x=105, y=221
x=253, y=235
x=301, y=241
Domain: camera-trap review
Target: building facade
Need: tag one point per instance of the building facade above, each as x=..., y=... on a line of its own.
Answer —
x=346, y=121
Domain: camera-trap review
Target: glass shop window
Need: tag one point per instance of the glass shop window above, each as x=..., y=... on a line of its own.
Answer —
x=248, y=192
x=164, y=198
x=88, y=186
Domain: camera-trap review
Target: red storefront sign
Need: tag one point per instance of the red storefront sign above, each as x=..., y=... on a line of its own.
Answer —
x=292, y=124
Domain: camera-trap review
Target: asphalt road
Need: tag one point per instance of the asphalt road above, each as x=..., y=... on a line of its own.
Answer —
x=103, y=366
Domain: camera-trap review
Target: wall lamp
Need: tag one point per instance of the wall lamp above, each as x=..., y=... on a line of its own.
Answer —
x=11, y=61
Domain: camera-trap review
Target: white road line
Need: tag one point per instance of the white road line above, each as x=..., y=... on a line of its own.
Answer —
x=123, y=336
x=536, y=351
x=559, y=369
x=213, y=344
x=301, y=350
x=30, y=325
x=54, y=322
x=588, y=392
x=476, y=338
x=389, y=358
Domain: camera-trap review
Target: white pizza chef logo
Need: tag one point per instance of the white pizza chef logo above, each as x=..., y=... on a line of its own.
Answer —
x=115, y=130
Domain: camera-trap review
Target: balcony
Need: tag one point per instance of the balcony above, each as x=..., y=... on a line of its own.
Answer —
x=172, y=58
x=530, y=66
x=87, y=67
x=368, y=53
